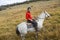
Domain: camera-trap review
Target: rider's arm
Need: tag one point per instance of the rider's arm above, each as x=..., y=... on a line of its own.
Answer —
x=28, y=16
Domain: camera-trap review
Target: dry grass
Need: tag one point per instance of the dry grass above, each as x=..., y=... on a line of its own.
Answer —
x=12, y=16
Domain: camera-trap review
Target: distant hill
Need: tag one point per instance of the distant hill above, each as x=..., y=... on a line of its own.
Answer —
x=3, y=7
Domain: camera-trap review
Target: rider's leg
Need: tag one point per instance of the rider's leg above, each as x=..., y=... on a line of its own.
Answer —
x=35, y=25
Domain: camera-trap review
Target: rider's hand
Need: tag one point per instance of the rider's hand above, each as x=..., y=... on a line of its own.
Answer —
x=30, y=19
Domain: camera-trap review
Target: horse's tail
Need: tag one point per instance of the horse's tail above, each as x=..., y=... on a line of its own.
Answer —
x=17, y=31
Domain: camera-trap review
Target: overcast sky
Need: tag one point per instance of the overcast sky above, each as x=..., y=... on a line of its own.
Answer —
x=4, y=2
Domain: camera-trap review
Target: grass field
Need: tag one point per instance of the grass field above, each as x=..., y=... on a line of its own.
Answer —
x=12, y=16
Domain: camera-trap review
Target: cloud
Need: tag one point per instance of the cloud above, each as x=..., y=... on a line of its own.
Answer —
x=5, y=2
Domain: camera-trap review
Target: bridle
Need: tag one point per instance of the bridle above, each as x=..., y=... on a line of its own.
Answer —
x=43, y=18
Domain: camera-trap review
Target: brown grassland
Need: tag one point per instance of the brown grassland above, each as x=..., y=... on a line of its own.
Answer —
x=12, y=16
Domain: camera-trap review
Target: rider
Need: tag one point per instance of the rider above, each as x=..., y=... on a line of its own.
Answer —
x=30, y=19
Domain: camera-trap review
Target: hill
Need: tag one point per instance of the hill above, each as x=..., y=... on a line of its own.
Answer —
x=12, y=16
x=7, y=5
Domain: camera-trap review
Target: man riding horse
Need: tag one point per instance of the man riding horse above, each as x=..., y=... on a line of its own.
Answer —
x=30, y=19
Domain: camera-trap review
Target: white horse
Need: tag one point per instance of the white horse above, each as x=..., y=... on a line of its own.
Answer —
x=22, y=27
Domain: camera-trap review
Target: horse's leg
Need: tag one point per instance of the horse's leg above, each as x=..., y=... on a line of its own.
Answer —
x=36, y=36
x=23, y=37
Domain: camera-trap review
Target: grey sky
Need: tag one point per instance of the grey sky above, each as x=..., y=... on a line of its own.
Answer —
x=4, y=2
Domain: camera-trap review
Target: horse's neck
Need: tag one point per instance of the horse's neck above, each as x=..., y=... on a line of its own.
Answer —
x=42, y=15
x=41, y=19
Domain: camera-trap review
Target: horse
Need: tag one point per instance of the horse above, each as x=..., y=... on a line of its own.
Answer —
x=22, y=28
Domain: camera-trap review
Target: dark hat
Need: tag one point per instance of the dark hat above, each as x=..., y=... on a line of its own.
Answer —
x=28, y=8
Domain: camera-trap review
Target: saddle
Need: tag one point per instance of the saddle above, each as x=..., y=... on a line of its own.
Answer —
x=29, y=25
x=33, y=24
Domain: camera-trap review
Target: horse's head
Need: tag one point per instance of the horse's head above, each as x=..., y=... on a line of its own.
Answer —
x=43, y=15
x=46, y=14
